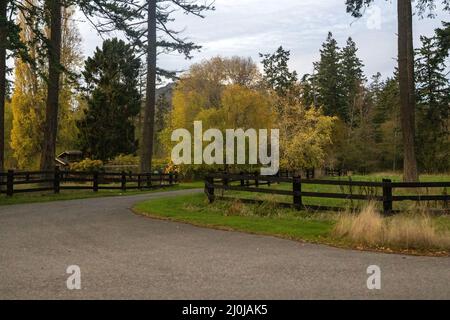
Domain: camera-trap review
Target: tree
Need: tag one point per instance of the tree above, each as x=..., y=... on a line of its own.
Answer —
x=162, y=110
x=3, y=44
x=406, y=73
x=54, y=9
x=210, y=92
x=69, y=96
x=29, y=93
x=155, y=17
x=9, y=42
x=443, y=36
x=28, y=98
x=276, y=71
x=433, y=97
x=305, y=135
x=112, y=13
x=111, y=75
x=352, y=79
x=329, y=80
x=308, y=90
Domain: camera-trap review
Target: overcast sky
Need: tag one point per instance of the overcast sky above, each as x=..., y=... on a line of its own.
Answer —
x=247, y=27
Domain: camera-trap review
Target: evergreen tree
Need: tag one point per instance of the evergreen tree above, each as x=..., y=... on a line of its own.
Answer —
x=406, y=71
x=443, y=36
x=329, y=80
x=386, y=122
x=308, y=91
x=276, y=71
x=433, y=97
x=352, y=80
x=113, y=101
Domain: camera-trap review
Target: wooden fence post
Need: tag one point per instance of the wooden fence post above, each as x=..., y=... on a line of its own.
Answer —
x=10, y=183
x=124, y=181
x=56, y=180
x=242, y=180
x=256, y=179
x=387, y=196
x=225, y=180
x=297, y=190
x=149, y=179
x=170, y=178
x=95, y=181
x=139, y=181
x=209, y=188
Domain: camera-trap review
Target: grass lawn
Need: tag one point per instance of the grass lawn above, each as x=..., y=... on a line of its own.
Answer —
x=195, y=209
x=33, y=197
x=266, y=219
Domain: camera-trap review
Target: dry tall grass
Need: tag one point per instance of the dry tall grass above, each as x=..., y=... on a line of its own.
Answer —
x=405, y=231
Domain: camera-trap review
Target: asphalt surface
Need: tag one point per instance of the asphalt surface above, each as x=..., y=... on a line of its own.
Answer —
x=125, y=256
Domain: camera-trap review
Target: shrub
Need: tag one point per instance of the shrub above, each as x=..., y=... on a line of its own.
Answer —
x=87, y=165
x=124, y=159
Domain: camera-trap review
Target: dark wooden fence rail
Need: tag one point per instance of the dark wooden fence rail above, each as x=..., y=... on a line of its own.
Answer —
x=35, y=181
x=251, y=183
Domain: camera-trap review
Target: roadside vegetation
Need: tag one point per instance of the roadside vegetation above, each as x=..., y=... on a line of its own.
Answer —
x=414, y=231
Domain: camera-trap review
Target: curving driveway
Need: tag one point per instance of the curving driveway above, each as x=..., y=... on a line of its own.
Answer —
x=122, y=255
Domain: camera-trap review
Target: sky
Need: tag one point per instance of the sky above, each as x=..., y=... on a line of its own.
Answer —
x=249, y=27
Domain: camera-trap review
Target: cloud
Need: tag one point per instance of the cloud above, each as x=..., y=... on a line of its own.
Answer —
x=248, y=27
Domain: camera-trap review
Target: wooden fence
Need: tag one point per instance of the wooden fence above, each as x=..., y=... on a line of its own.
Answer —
x=35, y=181
x=253, y=183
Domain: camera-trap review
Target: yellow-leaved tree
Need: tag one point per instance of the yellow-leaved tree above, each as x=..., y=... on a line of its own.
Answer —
x=28, y=98
x=305, y=135
x=223, y=93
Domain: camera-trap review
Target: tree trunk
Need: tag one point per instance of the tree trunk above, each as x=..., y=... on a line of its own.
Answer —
x=149, y=110
x=3, y=39
x=407, y=88
x=54, y=70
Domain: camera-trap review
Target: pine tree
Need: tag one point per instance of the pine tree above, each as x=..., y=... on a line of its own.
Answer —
x=111, y=75
x=329, y=80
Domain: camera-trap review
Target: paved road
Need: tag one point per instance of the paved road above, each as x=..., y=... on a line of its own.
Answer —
x=122, y=255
